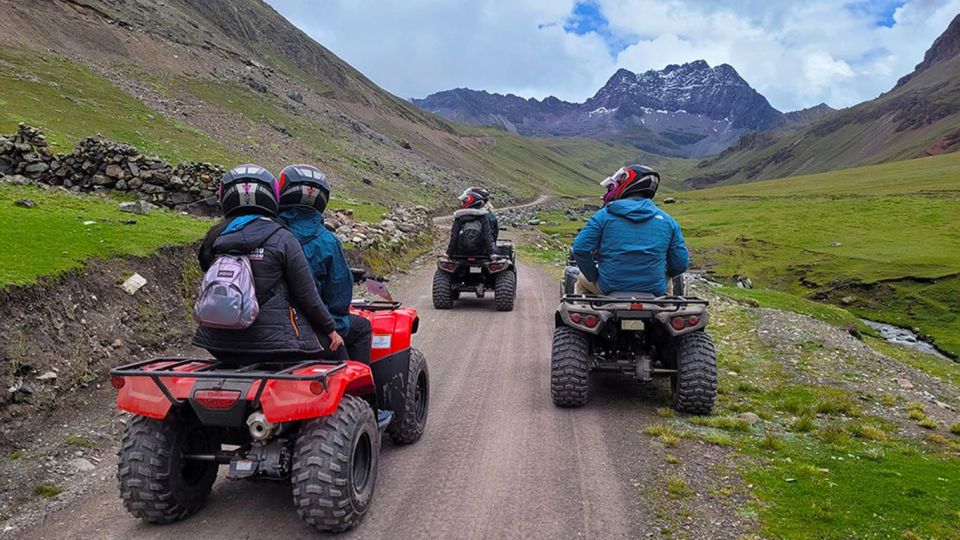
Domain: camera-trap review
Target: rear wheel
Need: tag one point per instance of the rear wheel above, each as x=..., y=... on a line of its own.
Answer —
x=505, y=290
x=695, y=384
x=157, y=484
x=442, y=290
x=409, y=422
x=569, y=367
x=335, y=466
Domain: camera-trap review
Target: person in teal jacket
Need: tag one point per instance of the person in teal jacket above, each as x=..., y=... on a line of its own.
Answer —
x=630, y=244
x=304, y=193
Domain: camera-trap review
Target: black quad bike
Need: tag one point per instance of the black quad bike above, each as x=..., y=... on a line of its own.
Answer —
x=477, y=274
x=636, y=334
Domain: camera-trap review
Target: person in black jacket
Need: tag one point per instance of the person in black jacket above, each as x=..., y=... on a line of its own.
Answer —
x=293, y=323
x=474, y=230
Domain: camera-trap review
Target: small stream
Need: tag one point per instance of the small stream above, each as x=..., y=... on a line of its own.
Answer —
x=903, y=337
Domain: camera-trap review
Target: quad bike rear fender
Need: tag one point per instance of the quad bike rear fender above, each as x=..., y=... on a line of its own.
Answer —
x=161, y=384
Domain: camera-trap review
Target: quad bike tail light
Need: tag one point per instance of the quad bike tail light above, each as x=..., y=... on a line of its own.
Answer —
x=317, y=387
x=677, y=323
x=217, y=399
x=590, y=321
x=449, y=266
x=117, y=381
x=496, y=267
x=693, y=320
x=575, y=318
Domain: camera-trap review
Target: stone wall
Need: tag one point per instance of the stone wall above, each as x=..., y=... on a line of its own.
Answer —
x=98, y=164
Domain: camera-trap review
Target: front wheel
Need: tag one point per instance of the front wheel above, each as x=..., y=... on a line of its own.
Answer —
x=335, y=466
x=505, y=290
x=157, y=484
x=442, y=290
x=695, y=384
x=408, y=424
x=569, y=367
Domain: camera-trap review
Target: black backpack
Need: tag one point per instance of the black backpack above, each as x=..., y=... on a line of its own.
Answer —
x=470, y=240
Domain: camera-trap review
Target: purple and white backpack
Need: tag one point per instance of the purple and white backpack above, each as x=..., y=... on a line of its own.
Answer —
x=228, y=296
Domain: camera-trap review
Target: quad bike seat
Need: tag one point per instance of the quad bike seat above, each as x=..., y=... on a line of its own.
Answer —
x=625, y=295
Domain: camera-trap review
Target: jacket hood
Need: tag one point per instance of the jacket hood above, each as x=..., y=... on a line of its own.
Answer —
x=470, y=212
x=245, y=233
x=304, y=223
x=633, y=209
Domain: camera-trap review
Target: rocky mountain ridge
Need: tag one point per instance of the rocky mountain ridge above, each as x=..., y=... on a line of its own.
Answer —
x=682, y=110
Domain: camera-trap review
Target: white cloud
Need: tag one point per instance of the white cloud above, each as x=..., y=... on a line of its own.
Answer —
x=795, y=53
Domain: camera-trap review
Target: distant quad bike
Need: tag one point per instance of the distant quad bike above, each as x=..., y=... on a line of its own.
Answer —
x=477, y=274
x=636, y=334
x=315, y=423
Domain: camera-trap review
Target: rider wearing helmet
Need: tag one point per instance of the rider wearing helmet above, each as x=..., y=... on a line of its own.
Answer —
x=636, y=244
x=474, y=230
x=304, y=194
x=283, y=283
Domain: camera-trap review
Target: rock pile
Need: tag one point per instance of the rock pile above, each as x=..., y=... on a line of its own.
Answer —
x=397, y=226
x=97, y=163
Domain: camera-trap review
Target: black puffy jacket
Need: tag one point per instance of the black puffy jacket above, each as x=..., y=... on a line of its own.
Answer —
x=470, y=214
x=292, y=314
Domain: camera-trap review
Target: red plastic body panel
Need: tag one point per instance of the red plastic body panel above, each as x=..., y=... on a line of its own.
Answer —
x=392, y=330
x=281, y=401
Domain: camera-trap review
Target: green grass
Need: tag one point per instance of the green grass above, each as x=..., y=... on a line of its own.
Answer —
x=858, y=496
x=52, y=238
x=80, y=441
x=887, y=236
x=70, y=102
x=47, y=490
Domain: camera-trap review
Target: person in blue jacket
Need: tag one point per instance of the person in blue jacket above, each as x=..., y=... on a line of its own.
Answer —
x=304, y=193
x=630, y=244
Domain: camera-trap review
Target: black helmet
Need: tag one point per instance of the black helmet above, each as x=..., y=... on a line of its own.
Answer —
x=304, y=186
x=249, y=188
x=474, y=197
x=630, y=181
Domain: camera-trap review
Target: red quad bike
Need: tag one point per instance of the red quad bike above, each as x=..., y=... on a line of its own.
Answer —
x=636, y=334
x=317, y=423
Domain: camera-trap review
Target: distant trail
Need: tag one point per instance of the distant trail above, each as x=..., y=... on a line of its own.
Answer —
x=442, y=220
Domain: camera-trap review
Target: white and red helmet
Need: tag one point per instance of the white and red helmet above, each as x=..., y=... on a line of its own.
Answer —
x=629, y=181
x=474, y=197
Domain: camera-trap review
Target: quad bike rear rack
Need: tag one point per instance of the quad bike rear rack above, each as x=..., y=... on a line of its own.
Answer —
x=375, y=305
x=599, y=301
x=260, y=371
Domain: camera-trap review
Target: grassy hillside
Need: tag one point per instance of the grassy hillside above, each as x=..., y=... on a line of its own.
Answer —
x=71, y=229
x=884, y=239
x=919, y=117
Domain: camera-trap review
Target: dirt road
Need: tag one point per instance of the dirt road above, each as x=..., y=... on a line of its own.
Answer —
x=498, y=460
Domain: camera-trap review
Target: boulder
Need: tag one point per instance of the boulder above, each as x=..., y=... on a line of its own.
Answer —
x=114, y=171
x=137, y=207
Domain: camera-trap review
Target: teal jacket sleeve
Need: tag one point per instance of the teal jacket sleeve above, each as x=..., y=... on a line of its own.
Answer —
x=586, y=244
x=678, y=259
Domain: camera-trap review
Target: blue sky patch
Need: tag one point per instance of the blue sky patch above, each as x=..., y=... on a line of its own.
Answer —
x=879, y=11
x=587, y=17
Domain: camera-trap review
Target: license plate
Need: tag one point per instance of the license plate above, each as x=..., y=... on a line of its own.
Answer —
x=631, y=324
x=476, y=269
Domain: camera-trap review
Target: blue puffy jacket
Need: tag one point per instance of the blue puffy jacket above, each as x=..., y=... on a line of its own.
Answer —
x=327, y=262
x=637, y=246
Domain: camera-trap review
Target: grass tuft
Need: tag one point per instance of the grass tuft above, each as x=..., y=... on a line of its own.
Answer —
x=47, y=490
x=678, y=488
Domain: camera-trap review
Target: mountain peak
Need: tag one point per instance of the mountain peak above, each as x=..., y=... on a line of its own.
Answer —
x=946, y=46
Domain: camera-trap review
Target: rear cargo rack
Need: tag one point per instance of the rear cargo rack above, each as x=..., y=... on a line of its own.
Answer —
x=596, y=301
x=260, y=371
x=375, y=305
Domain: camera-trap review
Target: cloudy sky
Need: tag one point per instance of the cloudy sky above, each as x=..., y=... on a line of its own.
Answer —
x=797, y=53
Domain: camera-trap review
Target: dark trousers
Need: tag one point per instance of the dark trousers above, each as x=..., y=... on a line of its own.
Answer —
x=358, y=339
